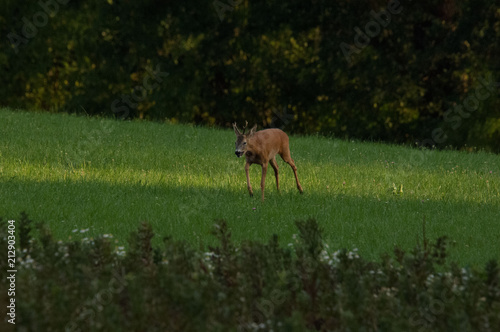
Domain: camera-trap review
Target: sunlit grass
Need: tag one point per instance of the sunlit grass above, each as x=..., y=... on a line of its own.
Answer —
x=105, y=175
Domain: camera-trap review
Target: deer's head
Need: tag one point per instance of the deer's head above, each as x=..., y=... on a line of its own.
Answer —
x=242, y=139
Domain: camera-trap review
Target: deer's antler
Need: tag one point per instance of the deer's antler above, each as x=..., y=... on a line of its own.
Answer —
x=245, y=127
x=236, y=130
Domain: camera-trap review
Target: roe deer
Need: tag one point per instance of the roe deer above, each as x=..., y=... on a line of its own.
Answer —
x=261, y=148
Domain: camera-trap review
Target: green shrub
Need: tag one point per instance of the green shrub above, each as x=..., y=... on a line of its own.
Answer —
x=306, y=286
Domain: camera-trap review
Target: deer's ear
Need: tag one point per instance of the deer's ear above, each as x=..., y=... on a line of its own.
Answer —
x=253, y=130
x=236, y=131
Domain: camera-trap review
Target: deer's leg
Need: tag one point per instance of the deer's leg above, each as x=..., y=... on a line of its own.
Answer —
x=249, y=186
x=288, y=159
x=274, y=164
x=263, y=179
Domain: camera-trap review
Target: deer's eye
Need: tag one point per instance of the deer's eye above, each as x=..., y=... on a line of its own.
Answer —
x=244, y=143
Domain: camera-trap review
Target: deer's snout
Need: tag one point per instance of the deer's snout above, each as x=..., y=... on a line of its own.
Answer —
x=238, y=153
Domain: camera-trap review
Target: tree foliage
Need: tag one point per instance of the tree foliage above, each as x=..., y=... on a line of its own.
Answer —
x=402, y=71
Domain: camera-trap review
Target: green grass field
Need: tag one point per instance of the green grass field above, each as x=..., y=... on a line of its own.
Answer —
x=91, y=176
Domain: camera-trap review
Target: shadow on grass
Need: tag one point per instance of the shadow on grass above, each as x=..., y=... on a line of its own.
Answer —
x=78, y=209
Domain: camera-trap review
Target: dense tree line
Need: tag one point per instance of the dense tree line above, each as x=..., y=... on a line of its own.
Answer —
x=401, y=71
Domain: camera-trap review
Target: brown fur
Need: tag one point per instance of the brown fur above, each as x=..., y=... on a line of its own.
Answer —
x=261, y=148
